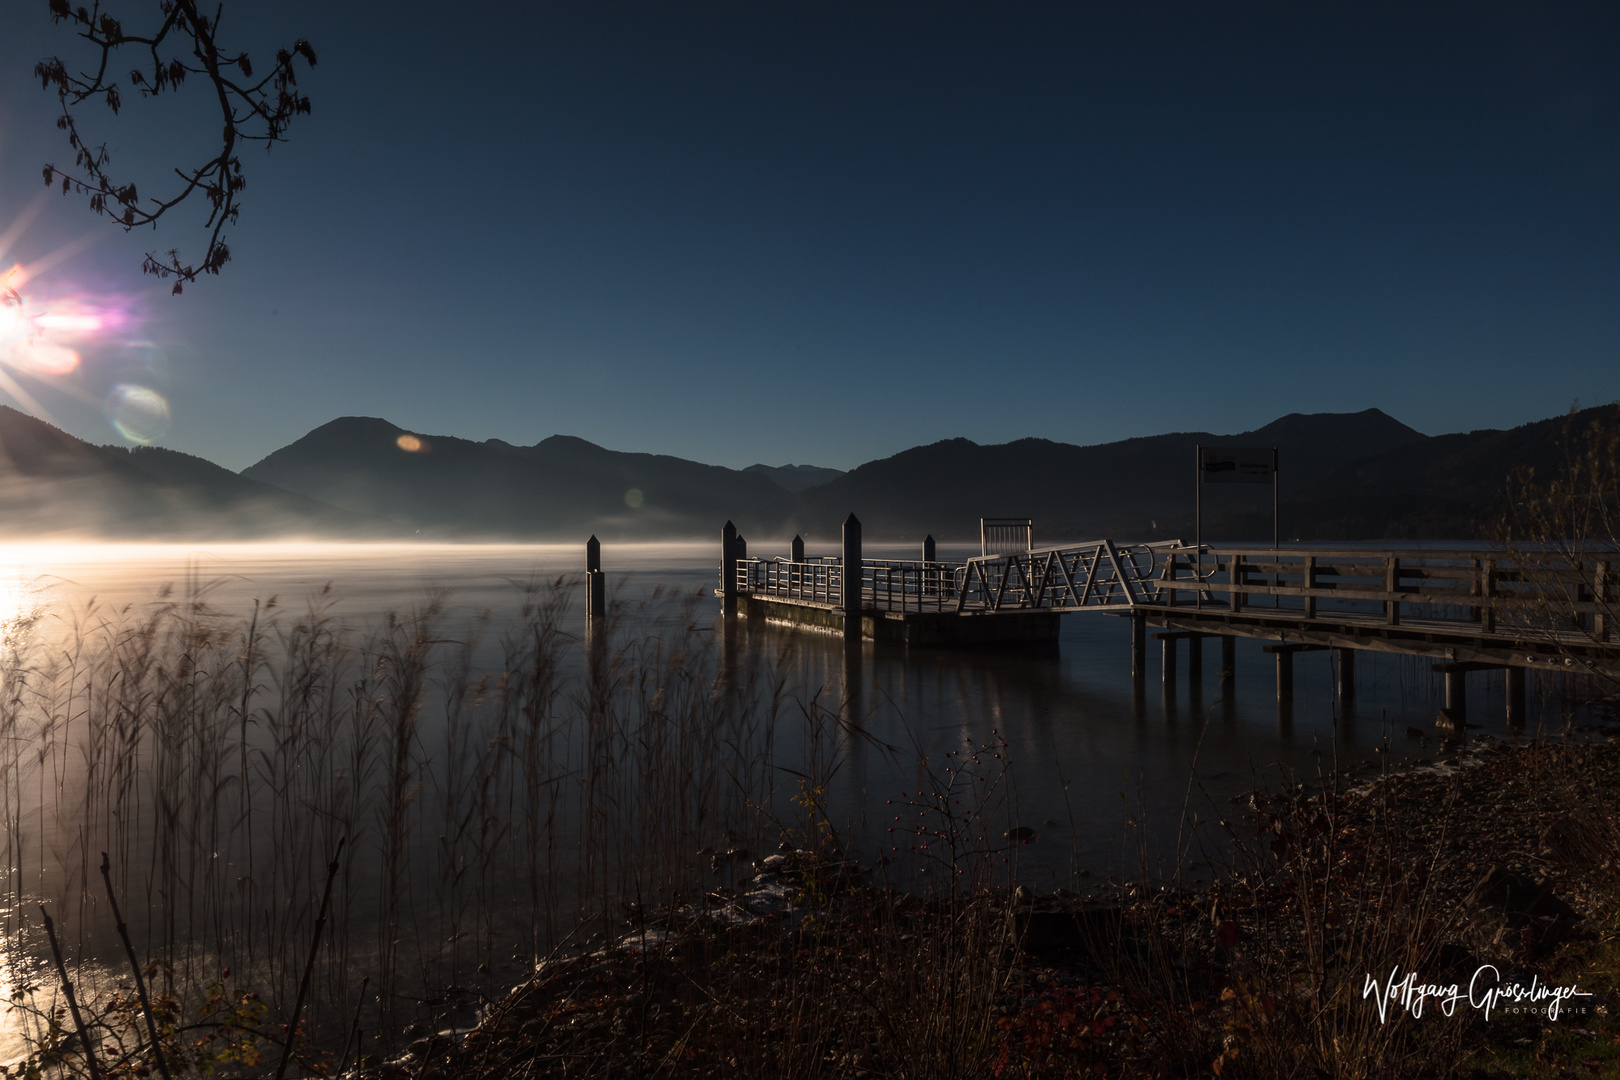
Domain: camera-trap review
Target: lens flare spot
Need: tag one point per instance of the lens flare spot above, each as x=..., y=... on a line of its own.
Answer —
x=139, y=413
x=38, y=357
x=633, y=498
x=72, y=324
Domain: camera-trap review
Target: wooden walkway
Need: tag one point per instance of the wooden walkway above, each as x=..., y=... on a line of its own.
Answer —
x=1468, y=609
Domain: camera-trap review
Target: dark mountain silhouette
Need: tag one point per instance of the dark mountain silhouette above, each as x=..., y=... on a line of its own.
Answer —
x=1444, y=487
x=796, y=477
x=560, y=488
x=1140, y=487
x=52, y=484
x=1344, y=476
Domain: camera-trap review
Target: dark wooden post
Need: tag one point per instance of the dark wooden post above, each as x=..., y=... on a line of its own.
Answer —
x=728, y=568
x=1515, y=696
x=595, y=581
x=1167, y=660
x=742, y=546
x=1392, y=584
x=1310, y=583
x=1347, y=674
x=1228, y=659
x=796, y=552
x=1487, y=593
x=1195, y=660
x=1234, y=573
x=851, y=578
x=930, y=575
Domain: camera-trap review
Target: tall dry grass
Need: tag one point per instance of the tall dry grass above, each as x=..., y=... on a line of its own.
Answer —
x=503, y=786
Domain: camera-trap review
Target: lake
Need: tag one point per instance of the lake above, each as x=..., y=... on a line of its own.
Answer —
x=218, y=717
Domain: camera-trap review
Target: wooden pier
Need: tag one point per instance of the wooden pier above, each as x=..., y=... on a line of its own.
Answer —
x=1467, y=609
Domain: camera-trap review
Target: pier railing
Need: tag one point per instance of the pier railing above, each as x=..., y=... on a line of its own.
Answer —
x=890, y=584
x=1487, y=590
x=817, y=581
x=1099, y=574
x=1479, y=587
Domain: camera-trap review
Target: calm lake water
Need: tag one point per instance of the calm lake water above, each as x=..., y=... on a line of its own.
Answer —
x=1098, y=768
x=1087, y=748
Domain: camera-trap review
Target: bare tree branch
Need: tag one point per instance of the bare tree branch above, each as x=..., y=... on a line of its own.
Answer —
x=185, y=43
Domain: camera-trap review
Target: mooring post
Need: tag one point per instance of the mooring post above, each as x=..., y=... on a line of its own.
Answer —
x=741, y=548
x=1138, y=648
x=1195, y=659
x=1228, y=659
x=930, y=574
x=796, y=552
x=1515, y=696
x=1167, y=660
x=595, y=582
x=1347, y=674
x=850, y=578
x=728, y=569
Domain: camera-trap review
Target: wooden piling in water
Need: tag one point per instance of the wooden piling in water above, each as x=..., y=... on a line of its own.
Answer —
x=728, y=569
x=796, y=549
x=1347, y=675
x=850, y=578
x=1228, y=659
x=595, y=582
x=1514, y=677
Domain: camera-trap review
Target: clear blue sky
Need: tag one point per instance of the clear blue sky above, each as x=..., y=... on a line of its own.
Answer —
x=810, y=232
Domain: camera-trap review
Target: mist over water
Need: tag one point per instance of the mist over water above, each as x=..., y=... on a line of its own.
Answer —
x=706, y=734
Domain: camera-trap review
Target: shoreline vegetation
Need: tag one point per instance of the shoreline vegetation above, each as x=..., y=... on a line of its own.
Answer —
x=1501, y=875
x=631, y=830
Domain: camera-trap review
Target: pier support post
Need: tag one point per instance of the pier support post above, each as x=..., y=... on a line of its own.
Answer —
x=1514, y=677
x=1138, y=648
x=1167, y=660
x=850, y=578
x=928, y=549
x=1228, y=659
x=1347, y=675
x=1457, y=696
x=796, y=551
x=595, y=582
x=728, y=569
x=1285, y=676
x=1195, y=660
x=741, y=548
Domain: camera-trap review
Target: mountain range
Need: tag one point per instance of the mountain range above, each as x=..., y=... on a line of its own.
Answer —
x=1341, y=476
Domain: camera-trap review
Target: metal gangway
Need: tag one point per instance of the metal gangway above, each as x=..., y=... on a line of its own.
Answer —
x=1099, y=575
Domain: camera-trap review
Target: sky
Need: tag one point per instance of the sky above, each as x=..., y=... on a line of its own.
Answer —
x=822, y=233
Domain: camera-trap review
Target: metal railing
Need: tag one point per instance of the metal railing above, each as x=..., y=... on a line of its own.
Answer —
x=1099, y=574
x=818, y=581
